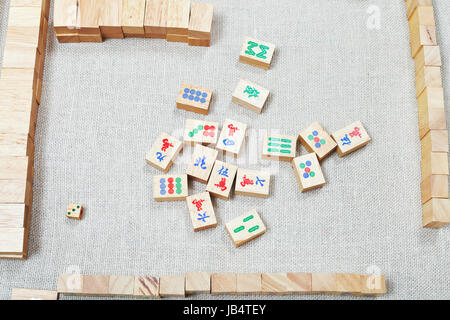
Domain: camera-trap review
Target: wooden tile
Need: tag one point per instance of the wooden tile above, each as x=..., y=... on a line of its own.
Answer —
x=65, y=16
x=223, y=283
x=434, y=163
x=13, y=216
x=18, y=122
x=198, y=282
x=26, y=16
x=301, y=283
x=428, y=77
x=16, y=168
x=423, y=15
x=350, y=138
x=133, y=12
x=171, y=187
x=221, y=179
x=194, y=98
x=257, y=53
x=20, y=56
x=19, y=90
x=411, y=5
x=68, y=38
x=70, y=284
x=276, y=283
x=155, y=20
x=248, y=283
x=435, y=141
x=31, y=294
x=199, y=42
x=110, y=19
x=146, y=287
x=431, y=119
x=95, y=285
x=308, y=172
x=172, y=286
x=163, y=152
x=178, y=17
x=422, y=36
x=16, y=145
x=231, y=137
x=435, y=186
x=16, y=191
x=121, y=285
x=201, y=211
x=33, y=37
x=74, y=211
x=436, y=213
x=202, y=162
x=428, y=56
x=373, y=285
x=199, y=131
x=200, y=22
x=250, y=95
x=88, y=18
x=252, y=183
x=348, y=283
x=316, y=139
x=44, y=5
x=12, y=241
x=324, y=283
x=176, y=38
x=279, y=147
x=245, y=228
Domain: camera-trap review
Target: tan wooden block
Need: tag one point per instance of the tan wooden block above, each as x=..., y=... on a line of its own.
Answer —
x=44, y=5
x=422, y=36
x=250, y=95
x=146, y=286
x=110, y=19
x=90, y=38
x=423, y=15
x=248, y=283
x=201, y=211
x=373, y=285
x=351, y=138
x=95, y=285
x=18, y=122
x=16, y=191
x=435, y=186
x=279, y=147
x=223, y=283
x=20, y=56
x=133, y=12
x=428, y=77
x=411, y=5
x=431, y=119
x=200, y=22
x=26, y=16
x=20, y=98
x=31, y=294
x=163, y=152
x=198, y=282
x=172, y=286
x=348, y=283
x=121, y=285
x=324, y=283
x=12, y=241
x=301, y=283
x=13, y=256
x=65, y=14
x=199, y=131
x=14, y=216
x=431, y=98
x=155, y=19
x=428, y=56
x=16, y=145
x=435, y=141
x=202, y=162
x=74, y=211
x=434, y=163
x=16, y=168
x=88, y=18
x=178, y=12
x=221, y=179
x=245, y=228
x=193, y=98
x=33, y=37
x=436, y=213
x=68, y=38
x=199, y=42
x=232, y=137
x=171, y=187
x=257, y=53
x=308, y=172
x=252, y=183
x=176, y=38
x=276, y=283
x=316, y=139
x=70, y=284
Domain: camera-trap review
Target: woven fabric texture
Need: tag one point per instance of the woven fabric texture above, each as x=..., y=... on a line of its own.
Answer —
x=104, y=104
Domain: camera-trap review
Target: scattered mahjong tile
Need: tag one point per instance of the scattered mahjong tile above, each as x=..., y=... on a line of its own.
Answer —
x=201, y=211
x=350, y=138
x=308, y=172
x=74, y=211
x=199, y=131
x=202, y=162
x=163, y=152
x=279, y=147
x=170, y=187
x=252, y=183
x=316, y=139
x=194, y=98
x=257, y=53
x=221, y=179
x=245, y=228
x=231, y=136
x=250, y=95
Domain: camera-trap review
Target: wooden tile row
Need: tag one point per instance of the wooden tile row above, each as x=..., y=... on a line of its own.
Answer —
x=20, y=94
x=95, y=20
x=433, y=130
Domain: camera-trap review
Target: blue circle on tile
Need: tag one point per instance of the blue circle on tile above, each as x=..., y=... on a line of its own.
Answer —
x=185, y=95
x=315, y=133
x=202, y=100
x=305, y=175
x=196, y=99
x=192, y=91
x=308, y=163
x=191, y=97
x=318, y=145
x=198, y=93
x=162, y=180
x=186, y=90
x=204, y=94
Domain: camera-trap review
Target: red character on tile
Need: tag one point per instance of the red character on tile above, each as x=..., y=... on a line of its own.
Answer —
x=355, y=133
x=232, y=130
x=198, y=204
x=246, y=181
x=222, y=184
x=166, y=144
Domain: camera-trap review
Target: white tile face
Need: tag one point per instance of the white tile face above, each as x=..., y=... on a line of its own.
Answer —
x=199, y=131
x=201, y=211
x=250, y=95
x=232, y=136
x=351, y=137
x=252, y=183
x=245, y=228
x=308, y=171
x=221, y=179
x=257, y=50
x=202, y=162
x=164, y=151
